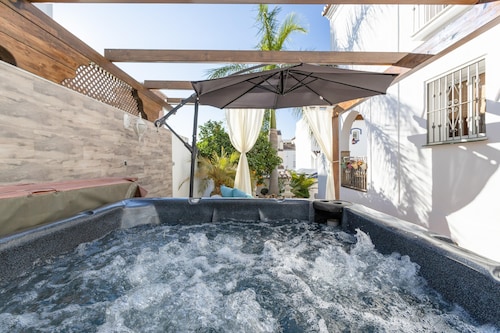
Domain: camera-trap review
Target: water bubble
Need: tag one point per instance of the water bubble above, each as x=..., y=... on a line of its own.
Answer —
x=279, y=276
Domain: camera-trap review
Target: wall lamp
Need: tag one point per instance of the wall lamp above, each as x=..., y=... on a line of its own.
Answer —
x=140, y=127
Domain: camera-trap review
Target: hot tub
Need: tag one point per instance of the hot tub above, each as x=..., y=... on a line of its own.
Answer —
x=460, y=277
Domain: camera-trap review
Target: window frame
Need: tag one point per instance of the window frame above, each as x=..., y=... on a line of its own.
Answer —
x=464, y=94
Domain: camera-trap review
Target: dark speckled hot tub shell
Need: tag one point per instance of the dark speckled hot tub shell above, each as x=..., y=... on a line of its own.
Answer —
x=460, y=276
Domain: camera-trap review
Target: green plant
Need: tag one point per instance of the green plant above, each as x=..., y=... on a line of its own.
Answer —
x=301, y=183
x=262, y=158
x=212, y=138
x=219, y=168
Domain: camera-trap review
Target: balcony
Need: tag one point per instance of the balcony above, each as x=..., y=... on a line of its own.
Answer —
x=424, y=14
x=353, y=172
x=430, y=19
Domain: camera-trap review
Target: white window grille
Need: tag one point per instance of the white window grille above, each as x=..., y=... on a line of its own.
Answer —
x=456, y=105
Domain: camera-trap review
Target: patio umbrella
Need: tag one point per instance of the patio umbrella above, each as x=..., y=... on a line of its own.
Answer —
x=291, y=86
x=284, y=87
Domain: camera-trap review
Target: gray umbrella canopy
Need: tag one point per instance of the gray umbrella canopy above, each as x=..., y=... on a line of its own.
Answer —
x=292, y=86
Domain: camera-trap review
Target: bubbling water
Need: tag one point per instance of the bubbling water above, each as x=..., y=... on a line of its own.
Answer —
x=282, y=276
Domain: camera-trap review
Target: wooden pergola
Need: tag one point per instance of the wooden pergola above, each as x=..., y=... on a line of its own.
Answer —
x=399, y=62
x=284, y=2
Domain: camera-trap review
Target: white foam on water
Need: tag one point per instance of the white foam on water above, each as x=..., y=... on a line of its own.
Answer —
x=229, y=277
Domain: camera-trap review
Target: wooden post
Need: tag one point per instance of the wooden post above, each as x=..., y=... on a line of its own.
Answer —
x=194, y=149
x=336, y=153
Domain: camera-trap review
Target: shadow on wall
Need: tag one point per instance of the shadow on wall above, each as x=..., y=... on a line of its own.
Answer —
x=461, y=171
x=460, y=175
x=352, y=35
x=420, y=185
x=406, y=193
x=383, y=154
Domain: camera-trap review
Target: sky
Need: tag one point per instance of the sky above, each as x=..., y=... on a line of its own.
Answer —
x=186, y=26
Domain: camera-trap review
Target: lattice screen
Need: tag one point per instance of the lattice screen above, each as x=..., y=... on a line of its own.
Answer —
x=99, y=84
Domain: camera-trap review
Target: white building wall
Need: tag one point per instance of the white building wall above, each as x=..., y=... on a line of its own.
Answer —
x=304, y=157
x=288, y=157
x=451, y=189
x=309, y=158
x=181, y=169
x=358, y=147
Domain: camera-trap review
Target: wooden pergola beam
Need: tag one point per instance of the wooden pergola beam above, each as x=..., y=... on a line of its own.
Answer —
x=283, y=2
x=166, y=84
x=402, y=59
x=407, y=61
x=177, y=100
x=162, y=84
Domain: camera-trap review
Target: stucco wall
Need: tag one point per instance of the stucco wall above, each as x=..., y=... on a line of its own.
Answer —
x=51, y=133
x=451, y=189
x=181, y=169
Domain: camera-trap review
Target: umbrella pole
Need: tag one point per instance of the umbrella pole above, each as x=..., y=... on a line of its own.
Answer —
x=194, y=151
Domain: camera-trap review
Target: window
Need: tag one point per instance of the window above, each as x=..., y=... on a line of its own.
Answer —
x=456, y=105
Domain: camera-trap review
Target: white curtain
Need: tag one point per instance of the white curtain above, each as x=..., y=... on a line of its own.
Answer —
x=244, y=126
x=320, y=122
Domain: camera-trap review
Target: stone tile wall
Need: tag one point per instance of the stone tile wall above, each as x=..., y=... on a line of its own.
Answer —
x=51, y=133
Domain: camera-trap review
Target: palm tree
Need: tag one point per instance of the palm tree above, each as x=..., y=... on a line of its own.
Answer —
x=273, y=37
x=219, y=169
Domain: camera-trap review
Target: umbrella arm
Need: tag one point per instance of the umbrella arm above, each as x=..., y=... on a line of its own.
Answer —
x=188, y=147
x=192, y=149
x=162, y=120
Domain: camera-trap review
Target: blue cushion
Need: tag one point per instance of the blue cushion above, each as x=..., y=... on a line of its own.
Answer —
x=226, y=191
x=240, y=194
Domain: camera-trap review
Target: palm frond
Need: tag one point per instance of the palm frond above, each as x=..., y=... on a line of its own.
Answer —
x=289, y=26
x=215, y=73
x=297, y=112
x=267, y=22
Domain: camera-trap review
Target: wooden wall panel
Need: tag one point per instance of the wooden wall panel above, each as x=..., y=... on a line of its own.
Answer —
x=43, y=47
x=35, y=62
x=15, y=25
x=51, y=133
